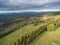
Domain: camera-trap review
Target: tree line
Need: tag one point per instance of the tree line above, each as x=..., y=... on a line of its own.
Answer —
x=28, y=38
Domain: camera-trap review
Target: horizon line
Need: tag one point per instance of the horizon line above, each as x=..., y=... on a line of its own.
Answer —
x=19, y=11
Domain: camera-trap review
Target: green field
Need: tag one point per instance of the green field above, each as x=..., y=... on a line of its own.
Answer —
x=13, y=37
x=48, y=38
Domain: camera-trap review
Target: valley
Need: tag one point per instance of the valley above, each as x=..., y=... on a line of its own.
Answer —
x=39, y=29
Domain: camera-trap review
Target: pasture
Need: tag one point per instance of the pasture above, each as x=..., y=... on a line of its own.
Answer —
x=34, y=33
x=13, y=37
x=48, y=38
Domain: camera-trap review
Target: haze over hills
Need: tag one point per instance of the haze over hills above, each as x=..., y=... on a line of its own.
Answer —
x=10, y=15
x=4, y=16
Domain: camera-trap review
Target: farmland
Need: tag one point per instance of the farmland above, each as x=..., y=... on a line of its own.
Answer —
x=31, y=30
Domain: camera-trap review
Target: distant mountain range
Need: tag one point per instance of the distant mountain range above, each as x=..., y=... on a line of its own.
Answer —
x=10, y=15
x=4, y=16
x=23, y=13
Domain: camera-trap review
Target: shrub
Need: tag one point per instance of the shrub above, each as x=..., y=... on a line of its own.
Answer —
x=15, y=43
x=58, y=22
x=51, y=27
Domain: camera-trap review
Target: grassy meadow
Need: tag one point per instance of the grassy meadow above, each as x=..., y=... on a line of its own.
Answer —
x=48, y=38
x=32, y=30
x=11, y=38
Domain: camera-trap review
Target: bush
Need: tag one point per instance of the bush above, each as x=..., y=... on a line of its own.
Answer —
x=51, y=27
x=58, y=22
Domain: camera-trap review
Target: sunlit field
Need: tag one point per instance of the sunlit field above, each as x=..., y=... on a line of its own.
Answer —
x=31, y=30
x=48, y=38
x=13, y=37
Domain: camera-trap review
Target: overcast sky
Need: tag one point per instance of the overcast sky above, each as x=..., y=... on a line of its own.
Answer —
x=19, y=5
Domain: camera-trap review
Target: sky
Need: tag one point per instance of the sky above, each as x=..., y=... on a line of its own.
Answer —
x=29, y=5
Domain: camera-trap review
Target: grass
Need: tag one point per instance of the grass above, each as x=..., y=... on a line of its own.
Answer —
x=48, y=38
x=13, y=37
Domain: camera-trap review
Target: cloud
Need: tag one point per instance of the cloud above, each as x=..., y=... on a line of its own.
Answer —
x=29, y=4
x=19, y=11
x=25, y=2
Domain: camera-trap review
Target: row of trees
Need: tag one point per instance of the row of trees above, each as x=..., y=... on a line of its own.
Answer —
x=28, y=38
